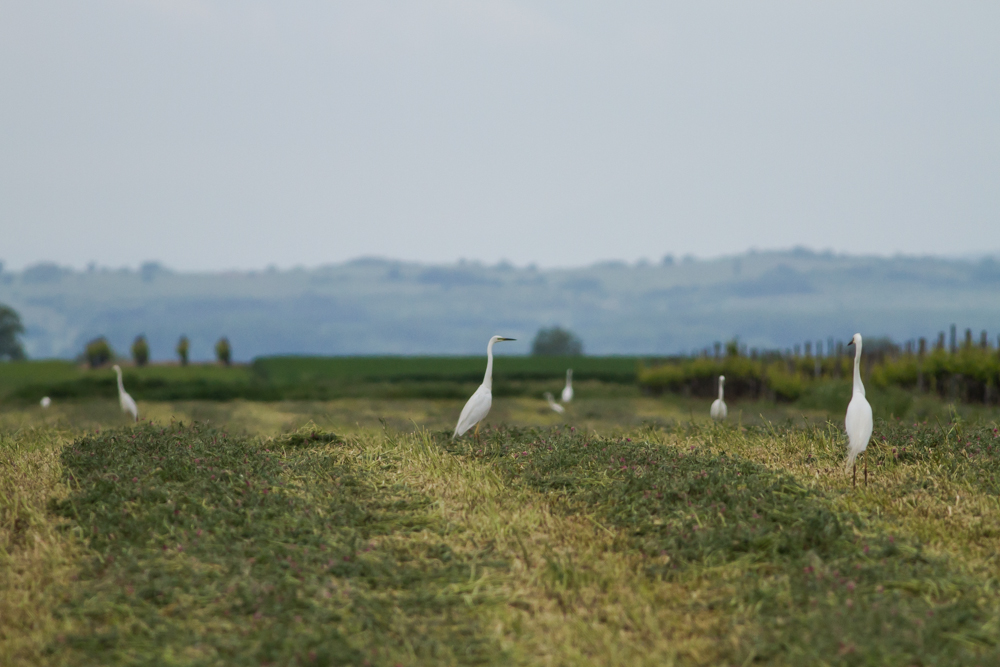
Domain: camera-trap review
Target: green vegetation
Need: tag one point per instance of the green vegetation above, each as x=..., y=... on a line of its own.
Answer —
x=269, y=539
x=140, y=351
x=29, y=381
x=558, y=342
x=971, y=374
x=223, y=351
x=318, y=378
x=183, y=348
x=296, y=370
x=98, y=352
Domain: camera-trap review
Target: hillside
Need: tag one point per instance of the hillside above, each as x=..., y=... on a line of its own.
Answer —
x=375, y=306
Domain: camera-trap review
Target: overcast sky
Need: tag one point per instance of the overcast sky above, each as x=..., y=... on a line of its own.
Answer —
x=213, y=135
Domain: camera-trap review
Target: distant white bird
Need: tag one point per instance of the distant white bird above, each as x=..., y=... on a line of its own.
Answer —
x=859, y=420
x=45, y=402
x=478, y=406
x=567, y=392
x=128, y=405
x=718, y=410
x=552, y=404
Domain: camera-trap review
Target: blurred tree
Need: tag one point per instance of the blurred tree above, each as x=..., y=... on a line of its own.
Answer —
x=223, y=351
x=556, y=341
x=182, y=350
x=733, y=348
x=140, y=350
x=98, y=352
x=10, y=329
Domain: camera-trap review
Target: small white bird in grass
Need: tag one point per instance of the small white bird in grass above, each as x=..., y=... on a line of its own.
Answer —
x=552, y=404
x=567, y=392
x=127, y=403
x=45, y=402
x=859, y=422
x=478, y=406
x=718, y=410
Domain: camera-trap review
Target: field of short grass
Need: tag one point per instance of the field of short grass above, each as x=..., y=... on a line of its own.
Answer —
x=627, y=532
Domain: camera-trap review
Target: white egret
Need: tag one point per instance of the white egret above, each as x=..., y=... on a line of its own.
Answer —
x=718, y=410
x=478, y=406
x=45, y=402
x=552, y=404
x=128, y=405
x=859, y=421
x=567, y=392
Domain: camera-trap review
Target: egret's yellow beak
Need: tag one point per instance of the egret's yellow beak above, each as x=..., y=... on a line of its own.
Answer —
x=506, y=339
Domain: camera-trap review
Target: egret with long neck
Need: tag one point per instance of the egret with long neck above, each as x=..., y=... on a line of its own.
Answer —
x=126, y=401
x=718, y=410
x=859, y=423
x=478, y=406
x=567, y=392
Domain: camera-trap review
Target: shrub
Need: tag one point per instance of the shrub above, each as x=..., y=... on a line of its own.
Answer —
x=557, y=341
x=223, y=351
x=182, y=350
x=140, y=351
x=98, y=352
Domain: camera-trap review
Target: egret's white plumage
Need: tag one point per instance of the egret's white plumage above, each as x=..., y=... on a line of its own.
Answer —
x=128, y=405
x=478, y=406
x=859, y=421
x=567, y=392
x=718, y=410
x=552, y=403
x=45, y=402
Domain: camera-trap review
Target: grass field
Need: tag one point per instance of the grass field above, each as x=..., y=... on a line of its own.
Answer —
x=630, y=531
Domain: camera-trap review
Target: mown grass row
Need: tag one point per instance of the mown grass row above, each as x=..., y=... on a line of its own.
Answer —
x=217, y=549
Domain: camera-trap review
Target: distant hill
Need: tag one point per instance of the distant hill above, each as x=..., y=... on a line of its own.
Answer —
x=377, y=306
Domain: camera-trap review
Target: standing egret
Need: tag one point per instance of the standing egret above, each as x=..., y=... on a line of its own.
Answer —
x=128, y=405
x=45, y=402
x=552, y=404
x=859, y=421
x=567, y=392
x=718, y=410
x=478, y=406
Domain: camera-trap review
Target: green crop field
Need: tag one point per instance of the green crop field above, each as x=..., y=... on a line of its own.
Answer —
x=320, y=378
x=629, y=531
x=292, y=370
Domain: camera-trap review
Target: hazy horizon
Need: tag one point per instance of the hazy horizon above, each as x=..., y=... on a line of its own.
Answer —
x=826, y=252
x=378, y=306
